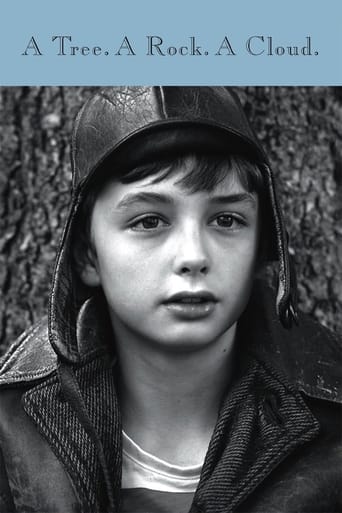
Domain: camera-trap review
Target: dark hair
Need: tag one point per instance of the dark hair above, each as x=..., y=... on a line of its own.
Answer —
x=205, y=173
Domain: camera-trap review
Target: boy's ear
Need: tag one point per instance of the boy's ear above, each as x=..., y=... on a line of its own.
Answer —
x=86, y=266
x=89, y=275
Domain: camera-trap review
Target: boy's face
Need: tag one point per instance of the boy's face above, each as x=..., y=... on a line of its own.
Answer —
x=176, y=267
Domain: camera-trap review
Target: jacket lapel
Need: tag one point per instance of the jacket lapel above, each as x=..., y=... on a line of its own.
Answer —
x=59, y=424
x=262, y=421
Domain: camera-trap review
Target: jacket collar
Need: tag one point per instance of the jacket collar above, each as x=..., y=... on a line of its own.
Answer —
x=68, y=435
x=261, y=422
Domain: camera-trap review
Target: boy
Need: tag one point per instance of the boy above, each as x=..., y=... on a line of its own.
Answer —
x=170, y=378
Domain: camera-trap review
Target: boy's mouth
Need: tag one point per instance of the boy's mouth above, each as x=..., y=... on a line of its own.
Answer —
x=191, y=305
x=192, y=297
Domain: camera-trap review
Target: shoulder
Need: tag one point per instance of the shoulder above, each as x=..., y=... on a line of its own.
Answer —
x=29, y=358
x=309, y=354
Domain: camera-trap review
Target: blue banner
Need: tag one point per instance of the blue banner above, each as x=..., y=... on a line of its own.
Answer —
x=247, y=42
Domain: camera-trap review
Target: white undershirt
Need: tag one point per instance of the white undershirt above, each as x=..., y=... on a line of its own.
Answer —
x=141, y=469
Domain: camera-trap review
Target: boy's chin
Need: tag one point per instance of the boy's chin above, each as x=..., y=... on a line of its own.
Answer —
x=189, y=340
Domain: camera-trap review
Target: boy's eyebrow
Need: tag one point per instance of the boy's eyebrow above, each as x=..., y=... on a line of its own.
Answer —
x=156, y=197
x=235, y=198
x=146, y=197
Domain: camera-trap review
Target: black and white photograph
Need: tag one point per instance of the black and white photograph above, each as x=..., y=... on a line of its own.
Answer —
x=170, y=299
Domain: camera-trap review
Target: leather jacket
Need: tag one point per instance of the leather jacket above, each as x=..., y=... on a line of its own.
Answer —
x=276, y=446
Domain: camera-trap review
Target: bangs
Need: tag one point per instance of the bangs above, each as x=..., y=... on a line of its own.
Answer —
x=200, y=172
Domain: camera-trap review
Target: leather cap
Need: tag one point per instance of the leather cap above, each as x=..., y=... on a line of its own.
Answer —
x=115, y=121
x=131, y=125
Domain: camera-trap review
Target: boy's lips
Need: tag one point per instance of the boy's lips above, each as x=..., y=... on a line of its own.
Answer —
x=191, y=305
x=199, y=296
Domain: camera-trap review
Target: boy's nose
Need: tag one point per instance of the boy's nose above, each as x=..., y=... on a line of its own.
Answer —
x=191, y=255
x=193, y=268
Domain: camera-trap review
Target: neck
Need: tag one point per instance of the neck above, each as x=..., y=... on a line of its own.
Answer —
x=171, y=398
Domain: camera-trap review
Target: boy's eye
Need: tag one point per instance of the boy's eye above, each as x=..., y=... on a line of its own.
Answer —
x=227, y=221
x=150, y=222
